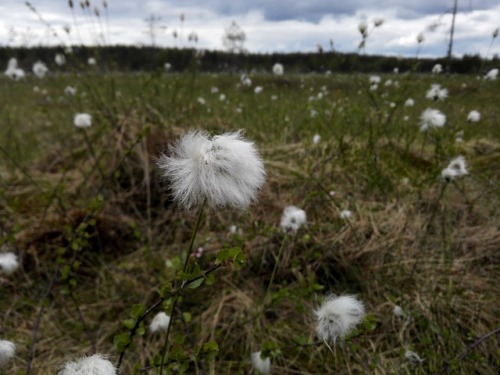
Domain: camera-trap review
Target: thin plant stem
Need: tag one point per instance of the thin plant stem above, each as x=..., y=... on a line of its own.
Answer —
x=184, y=268
x=276, y=263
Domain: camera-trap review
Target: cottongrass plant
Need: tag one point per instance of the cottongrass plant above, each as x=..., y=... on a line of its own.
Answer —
x=436, y=92
x=337, y=316
x=96, y=364
x=413, y=358
x=7, y=352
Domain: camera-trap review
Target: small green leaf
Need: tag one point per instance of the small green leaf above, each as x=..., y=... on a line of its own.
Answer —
x=138, y=310
x=121, y=341
x=129, y=323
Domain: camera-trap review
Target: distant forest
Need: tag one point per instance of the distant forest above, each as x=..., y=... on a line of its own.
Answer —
x=137, y=59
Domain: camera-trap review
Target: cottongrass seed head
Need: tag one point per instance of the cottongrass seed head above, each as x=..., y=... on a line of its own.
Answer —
x=337, y=316
x=82, y=120
x=263, y=366
x=413, y=358
x=7, y=352
x=474, y=116
x=292, y=219
x=94, y=365
x=278, y=69
x=160, y=323
x=226, y=170
x=8, y=263
x=456, y=168
x=432, y=118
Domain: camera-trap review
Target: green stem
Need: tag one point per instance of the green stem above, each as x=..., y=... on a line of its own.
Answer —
x=176, y=298
x=275, y=266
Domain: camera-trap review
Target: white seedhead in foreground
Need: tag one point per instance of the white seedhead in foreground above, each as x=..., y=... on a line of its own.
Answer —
x=94, y=365
x=82, y=120
x=160, y=323
x=8, y=263
x=491, y=75
x=226, y=170
x=456, y=168
x=337, y=316
x=436, y=92
x=7, y=352
x=263, y=366
x=292, y=219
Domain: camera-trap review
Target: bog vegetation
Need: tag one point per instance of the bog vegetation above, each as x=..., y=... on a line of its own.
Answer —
x=380, y=214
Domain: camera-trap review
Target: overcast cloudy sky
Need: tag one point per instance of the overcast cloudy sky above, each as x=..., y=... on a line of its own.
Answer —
x=279, y=25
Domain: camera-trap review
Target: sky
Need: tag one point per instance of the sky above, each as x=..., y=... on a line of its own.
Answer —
x=269, y=26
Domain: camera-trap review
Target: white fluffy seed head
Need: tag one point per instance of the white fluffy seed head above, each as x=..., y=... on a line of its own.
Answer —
x=40, y=69
x=82, y=120
x=409, y=102
x=456, y=168
x=292, y=219
x=226, y=170
x=94, y=365
x=491, y=75
x=7, y=352
x=413, y=357
x=278, y=69
x=345, y=214
x=474, y=116
x=337, y=316
x=436, y=69
x=436, y=92
x=263, y=366
x=160, y=323
x=432, y=118
x=399, y=312
x=8, y=263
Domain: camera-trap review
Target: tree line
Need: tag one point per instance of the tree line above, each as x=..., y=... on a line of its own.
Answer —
x=139, y=59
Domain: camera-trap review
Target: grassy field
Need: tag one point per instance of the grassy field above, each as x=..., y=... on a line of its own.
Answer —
x=96, y=231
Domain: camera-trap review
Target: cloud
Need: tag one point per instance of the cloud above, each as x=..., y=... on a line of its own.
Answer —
x=284, y=25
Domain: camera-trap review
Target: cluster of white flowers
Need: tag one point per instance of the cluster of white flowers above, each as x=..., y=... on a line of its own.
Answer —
x=93, y=365
x=456, y=168
x=337, y=316
x=292, y=219
x=436, y=92
x=432, y=118
x=223, y=170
